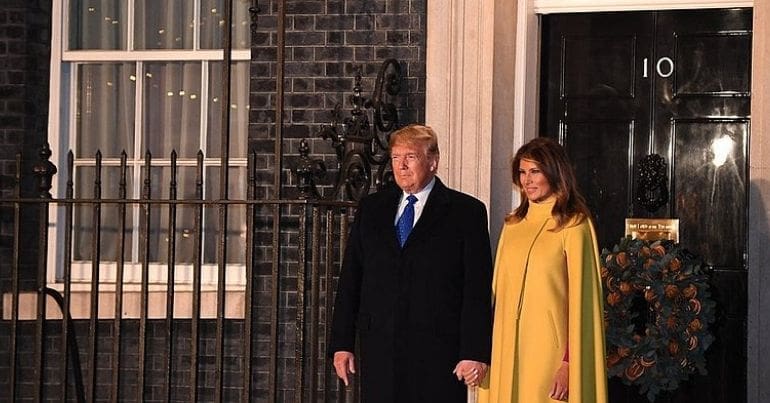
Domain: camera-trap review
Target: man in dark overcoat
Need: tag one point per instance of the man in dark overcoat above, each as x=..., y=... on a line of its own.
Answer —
x=415, y=285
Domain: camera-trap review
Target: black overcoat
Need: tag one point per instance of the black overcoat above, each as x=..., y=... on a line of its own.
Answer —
x=419, y=310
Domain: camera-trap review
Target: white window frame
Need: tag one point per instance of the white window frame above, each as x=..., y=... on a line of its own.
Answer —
x=60, y=127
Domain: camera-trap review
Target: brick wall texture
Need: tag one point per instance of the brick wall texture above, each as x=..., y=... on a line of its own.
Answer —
x=24, y=79
x=326, y=43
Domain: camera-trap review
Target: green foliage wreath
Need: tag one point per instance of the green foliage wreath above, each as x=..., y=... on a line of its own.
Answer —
x=657, y=313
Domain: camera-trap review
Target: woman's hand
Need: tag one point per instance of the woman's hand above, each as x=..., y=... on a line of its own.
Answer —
x=471, y=372
x=560, y=388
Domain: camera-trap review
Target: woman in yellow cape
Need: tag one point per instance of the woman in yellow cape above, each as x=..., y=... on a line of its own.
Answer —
x=548, y=334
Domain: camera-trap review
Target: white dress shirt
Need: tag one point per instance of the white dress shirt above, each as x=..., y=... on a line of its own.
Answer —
x=422, y=197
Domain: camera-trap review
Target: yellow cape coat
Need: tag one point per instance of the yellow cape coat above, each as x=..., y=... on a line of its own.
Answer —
x=547, y=294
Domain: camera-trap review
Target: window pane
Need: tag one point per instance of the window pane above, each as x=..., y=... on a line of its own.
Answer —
x=236, y=217
x=164, y=24
x=239, y=110
x=212, y=24
x=97, y=24
x=105, y=109
x=172, y=109
x=83, y=225
x=159, y=216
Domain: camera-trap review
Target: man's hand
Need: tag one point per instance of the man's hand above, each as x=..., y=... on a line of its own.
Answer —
x=344, y=364
x=560, y=388
x=471, y=372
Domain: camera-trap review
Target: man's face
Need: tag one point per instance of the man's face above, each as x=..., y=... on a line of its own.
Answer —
x=413, y=167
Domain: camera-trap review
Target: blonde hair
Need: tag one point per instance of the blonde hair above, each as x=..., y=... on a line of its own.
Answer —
x=552, y=160
x=416, y=135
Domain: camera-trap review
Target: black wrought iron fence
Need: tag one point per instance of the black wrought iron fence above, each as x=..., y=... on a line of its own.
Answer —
x=136, y=314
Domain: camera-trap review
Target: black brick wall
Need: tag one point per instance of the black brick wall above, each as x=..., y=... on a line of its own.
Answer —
x=24, y=79
x=155, y=364
x=326, y=43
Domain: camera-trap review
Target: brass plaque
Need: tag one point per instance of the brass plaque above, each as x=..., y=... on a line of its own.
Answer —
x=651, y=229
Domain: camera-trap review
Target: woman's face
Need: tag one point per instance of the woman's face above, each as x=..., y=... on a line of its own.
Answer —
x=533, y=181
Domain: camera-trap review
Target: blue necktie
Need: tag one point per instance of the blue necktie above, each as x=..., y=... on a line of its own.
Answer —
x=406, y=221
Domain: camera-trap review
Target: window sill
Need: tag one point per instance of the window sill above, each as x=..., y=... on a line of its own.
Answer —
x=80, y=303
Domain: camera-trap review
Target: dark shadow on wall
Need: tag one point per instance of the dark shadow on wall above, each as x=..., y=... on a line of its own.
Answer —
x=758, y=325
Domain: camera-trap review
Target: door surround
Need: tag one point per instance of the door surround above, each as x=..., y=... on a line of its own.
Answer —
x=580, y=6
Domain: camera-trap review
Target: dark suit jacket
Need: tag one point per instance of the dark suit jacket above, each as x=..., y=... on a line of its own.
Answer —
x=419, y=310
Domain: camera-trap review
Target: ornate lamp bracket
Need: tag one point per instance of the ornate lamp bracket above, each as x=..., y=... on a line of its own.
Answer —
x=361, y=144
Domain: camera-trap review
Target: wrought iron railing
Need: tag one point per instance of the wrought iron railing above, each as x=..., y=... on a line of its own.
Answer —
x=275, y=353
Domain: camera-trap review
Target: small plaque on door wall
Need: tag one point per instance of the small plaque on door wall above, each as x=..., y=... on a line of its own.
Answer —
x=651, y=229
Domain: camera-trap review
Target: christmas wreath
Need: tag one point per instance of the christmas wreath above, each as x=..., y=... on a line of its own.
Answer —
x=657, y=313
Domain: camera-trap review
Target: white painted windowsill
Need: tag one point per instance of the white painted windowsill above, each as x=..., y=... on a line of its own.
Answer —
x=80, y=303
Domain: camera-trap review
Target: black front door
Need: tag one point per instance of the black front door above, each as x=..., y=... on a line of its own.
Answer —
x=617, y=87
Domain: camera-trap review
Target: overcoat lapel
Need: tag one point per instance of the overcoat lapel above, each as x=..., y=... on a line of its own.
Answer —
x=388, y=217
x=436, y=208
